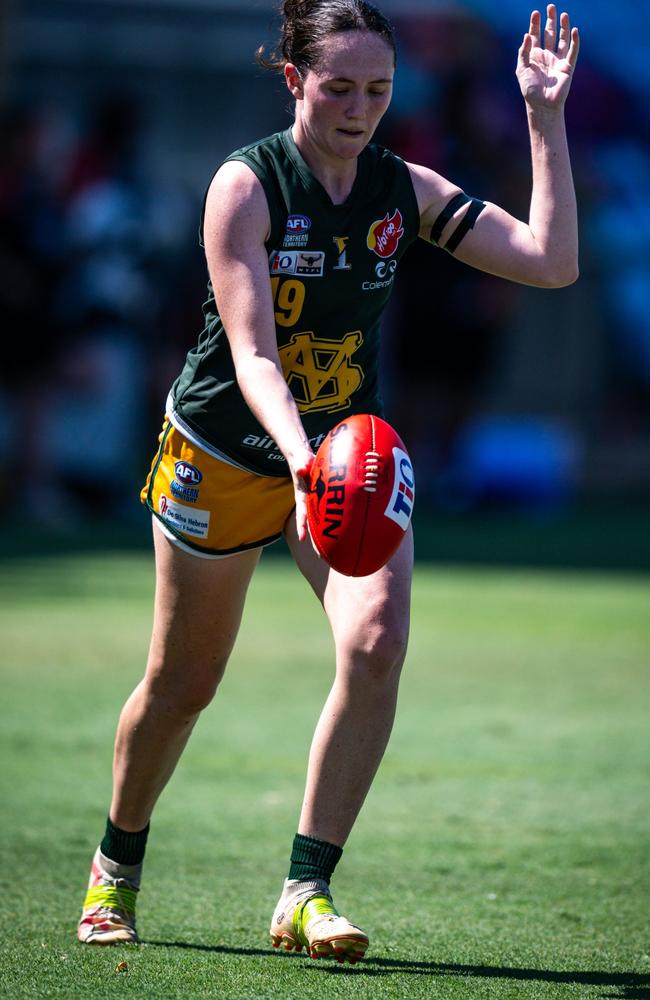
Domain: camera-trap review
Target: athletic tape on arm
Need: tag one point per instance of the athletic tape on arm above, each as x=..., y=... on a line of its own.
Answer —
x=464, y=226
x=448, y=211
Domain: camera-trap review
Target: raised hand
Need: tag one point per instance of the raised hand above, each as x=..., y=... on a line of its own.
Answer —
x=546, y=62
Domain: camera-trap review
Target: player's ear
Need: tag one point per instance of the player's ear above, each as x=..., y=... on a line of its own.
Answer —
x=294, y=81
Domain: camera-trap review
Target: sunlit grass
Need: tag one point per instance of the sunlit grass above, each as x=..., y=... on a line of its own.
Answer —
x=503, y=851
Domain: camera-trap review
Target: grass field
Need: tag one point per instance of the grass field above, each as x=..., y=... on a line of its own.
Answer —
x=503, y=851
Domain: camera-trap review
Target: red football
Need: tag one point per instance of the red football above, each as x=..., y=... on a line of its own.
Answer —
x=361, y=497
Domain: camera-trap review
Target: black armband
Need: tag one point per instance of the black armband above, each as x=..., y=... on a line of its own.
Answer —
x=464, y=226
x=448, y=211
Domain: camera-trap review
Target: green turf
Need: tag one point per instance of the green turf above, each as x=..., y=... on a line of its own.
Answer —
x=503, y=851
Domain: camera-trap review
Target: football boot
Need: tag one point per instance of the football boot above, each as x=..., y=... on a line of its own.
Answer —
x=108, y=915
x=306, y=917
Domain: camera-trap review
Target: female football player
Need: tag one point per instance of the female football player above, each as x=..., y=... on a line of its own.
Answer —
x=303, y=232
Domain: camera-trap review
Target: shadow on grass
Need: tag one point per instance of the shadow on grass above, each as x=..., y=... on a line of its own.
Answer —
x=628, y=985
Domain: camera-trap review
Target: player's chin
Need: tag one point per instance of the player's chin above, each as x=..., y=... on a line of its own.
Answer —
x=350, y=142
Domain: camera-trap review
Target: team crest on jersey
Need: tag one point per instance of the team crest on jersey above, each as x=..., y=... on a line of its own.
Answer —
x=384, y=234
x=320, y=373
x=307, y=263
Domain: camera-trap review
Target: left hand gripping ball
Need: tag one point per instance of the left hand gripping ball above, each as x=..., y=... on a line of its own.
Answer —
x=361, y=495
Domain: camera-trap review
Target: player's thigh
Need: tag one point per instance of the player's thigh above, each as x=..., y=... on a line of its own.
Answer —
x=364, y=612
x=197, y=612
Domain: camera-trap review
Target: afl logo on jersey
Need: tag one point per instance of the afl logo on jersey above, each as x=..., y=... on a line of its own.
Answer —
x=187, y=474
x=298, y=224
x=384, y=234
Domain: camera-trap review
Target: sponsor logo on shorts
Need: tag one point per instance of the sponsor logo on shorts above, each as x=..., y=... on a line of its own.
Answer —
x=308, y=264
x=400, y=505
x=187, y=520
x=384, y=234
x=187, y=474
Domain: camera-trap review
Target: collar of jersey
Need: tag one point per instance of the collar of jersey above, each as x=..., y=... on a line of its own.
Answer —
x=312, y=184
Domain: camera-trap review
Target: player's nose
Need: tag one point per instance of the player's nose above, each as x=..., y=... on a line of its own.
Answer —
x=356, y=108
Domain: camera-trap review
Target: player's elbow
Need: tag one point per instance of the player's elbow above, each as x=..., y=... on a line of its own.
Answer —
x=568, y=276
x=561, y=274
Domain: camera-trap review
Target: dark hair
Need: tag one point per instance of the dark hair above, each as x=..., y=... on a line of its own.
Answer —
x=306, y=24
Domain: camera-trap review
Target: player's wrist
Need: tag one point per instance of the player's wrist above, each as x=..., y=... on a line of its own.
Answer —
x=300, y=462
x=543, y=117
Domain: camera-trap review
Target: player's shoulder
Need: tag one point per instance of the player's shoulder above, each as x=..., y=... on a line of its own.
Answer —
x=382, y=157
x=261, y=151
x=239, y=185
x=389, y=179
x=384, y=167
x=241, y=171
x=235, y=199
x=249, y=170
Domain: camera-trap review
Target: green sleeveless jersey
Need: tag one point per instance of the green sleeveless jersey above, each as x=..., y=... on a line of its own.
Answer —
x=331, y=271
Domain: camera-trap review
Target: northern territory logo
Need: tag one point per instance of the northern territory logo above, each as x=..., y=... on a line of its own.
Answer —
x=384, y=234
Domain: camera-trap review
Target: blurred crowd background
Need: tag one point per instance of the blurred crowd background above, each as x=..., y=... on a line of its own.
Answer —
x=113, y=116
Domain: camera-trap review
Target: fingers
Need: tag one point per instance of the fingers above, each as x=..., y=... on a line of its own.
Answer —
x=565, y=35
x=574, y=48
x=302, y=522
x=565, y=42
x=301, y=517
x=535, y=28
x=302, y=483
x=550, y=30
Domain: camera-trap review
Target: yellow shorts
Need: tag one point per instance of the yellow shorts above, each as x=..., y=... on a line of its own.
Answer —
x=210, y=506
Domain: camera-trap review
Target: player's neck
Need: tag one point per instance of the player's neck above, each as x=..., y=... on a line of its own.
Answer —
x=336, y=174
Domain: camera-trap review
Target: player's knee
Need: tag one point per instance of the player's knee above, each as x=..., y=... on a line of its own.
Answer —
x=192, y=700
x=376, y=652
x=185, y=694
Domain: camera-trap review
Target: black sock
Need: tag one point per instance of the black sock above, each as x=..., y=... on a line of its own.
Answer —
x=123, y=847
x=312, y=858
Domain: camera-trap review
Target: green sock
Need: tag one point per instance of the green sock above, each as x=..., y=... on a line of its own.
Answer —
x=123, y=847
x=312, y=858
